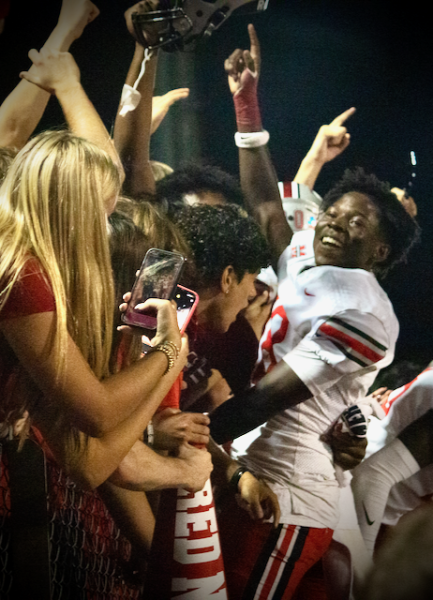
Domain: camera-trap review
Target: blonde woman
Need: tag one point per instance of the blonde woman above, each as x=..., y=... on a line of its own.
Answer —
x=56, y=312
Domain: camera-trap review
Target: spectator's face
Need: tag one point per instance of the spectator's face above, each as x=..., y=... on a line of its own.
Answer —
x=237, y=298
x=348, y=235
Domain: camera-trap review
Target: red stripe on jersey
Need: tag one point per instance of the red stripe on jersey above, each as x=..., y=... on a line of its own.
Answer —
x=386, y=407
x=287, y=189
x=356, y=345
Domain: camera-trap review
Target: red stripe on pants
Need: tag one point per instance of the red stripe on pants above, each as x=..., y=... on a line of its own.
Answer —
x=242, y=542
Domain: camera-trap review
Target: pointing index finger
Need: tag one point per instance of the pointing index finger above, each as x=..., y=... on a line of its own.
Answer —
x=343, y=117
x=254, y=46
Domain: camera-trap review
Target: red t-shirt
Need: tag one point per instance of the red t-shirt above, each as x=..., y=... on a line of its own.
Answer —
x=30, y=295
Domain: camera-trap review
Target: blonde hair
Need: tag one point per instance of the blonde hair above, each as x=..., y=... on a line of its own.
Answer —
x=52, y=208
x=158, y=228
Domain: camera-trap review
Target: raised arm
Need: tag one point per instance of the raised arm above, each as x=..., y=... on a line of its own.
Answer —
x=57, y=73
x=330, y=142
x=258, y=179
x=132, y=130
x=22, y=110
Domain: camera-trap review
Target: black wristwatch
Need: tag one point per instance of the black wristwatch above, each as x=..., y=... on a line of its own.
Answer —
x=234, y=481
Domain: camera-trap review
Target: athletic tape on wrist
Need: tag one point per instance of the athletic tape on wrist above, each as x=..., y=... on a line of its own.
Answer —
x=246, y=103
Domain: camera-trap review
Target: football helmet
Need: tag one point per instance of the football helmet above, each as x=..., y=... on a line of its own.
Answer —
x=179, y=24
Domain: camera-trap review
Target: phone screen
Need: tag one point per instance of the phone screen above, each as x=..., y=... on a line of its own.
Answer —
x=157, y=278
x=186, y=301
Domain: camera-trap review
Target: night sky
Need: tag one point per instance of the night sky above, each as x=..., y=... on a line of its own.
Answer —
x=319, y=58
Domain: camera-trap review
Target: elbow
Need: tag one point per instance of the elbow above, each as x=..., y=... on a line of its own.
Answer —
x=87, y=478
x=94, y=424
x=95, y=428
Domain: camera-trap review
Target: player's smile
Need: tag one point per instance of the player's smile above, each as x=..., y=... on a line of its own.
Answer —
x=330, y=240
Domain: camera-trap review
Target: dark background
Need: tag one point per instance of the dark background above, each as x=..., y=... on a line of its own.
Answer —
x=319, y=58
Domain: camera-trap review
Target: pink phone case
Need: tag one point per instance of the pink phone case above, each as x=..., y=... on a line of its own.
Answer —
x=188, y=303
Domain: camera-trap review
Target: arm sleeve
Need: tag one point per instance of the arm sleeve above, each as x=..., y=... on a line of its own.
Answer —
x=31, y=294
x=336, y=346
x=372, y=482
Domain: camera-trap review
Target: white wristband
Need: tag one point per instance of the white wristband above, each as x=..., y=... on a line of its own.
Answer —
x=253, y=139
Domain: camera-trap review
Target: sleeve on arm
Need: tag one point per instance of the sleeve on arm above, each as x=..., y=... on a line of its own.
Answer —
x=31, y=294
x=338, y=345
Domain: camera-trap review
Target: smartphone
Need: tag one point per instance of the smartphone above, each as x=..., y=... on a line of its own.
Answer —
x=157, y=278
x=186, y=301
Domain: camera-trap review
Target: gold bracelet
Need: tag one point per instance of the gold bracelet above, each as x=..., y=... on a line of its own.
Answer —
x=170, y=350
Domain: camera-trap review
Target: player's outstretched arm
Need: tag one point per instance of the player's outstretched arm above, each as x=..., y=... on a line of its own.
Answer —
x=258, y=178
x=281, y=388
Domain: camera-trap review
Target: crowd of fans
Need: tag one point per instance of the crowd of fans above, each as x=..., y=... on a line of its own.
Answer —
x=267, y=391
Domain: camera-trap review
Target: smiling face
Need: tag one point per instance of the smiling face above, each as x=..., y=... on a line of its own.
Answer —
x=348, y=234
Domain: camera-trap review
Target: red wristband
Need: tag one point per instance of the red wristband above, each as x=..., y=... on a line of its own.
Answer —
x=246, y=103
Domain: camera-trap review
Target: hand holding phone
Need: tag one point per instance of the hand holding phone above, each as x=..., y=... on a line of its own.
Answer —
x=157, y=278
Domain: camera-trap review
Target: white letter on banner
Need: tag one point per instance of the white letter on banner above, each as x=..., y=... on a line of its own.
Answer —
x=202, y=588
x=200, y=521
x=183, y=550
x=202, y=498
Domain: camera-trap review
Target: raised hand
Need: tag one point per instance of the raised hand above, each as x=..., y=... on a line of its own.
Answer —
x=161, y=105
x=244, y=65
x=151, y=34
x=331, y=139
x=407, y=201
x=75, y=15
x=52, y=69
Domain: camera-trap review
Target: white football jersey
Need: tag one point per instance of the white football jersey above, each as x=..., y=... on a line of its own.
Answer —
x=405, y=405
x=335, y=328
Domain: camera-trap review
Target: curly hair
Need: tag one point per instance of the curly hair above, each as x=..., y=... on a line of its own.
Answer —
x=193, y=178
x=221, y=236
x=399, y=230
